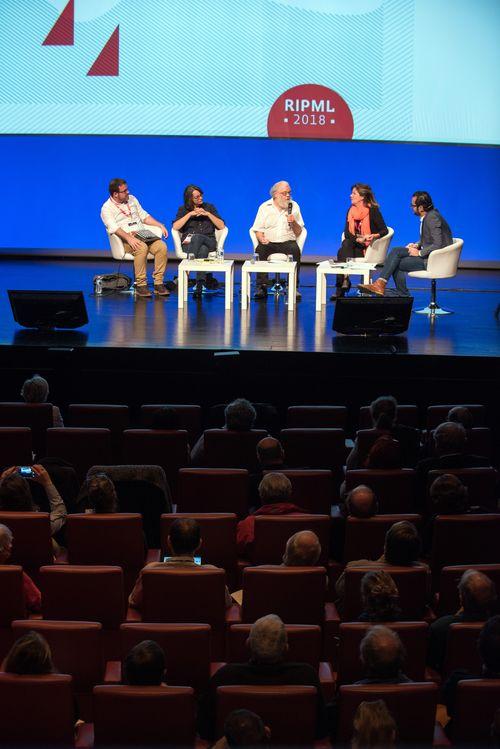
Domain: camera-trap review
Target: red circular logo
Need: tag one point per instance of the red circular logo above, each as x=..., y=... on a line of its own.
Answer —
x=310, y=111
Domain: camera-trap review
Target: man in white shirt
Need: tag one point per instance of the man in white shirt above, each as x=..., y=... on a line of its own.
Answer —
x=277, y=225
x=123, y=215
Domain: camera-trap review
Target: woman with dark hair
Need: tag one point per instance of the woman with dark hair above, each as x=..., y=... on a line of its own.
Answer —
x=29, y=655
x=101, y=494
x=15, y=494
x=197, y=222
x=380, y=597
x=364, y=223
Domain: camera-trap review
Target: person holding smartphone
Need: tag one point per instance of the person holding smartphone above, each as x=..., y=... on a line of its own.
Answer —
x=15, y=493
x=364, y=223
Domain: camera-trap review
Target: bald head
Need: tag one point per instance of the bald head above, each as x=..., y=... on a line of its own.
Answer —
x=382, y=653
x=303, y=549
x=270, y=452
x=268, y=640
x=477, y=594
x=450, y=438
x=361, y=502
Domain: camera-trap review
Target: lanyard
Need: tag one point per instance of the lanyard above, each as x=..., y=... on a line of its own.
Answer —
x=125, y=213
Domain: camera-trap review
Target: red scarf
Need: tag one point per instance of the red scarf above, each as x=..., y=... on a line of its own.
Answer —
x=359, y=220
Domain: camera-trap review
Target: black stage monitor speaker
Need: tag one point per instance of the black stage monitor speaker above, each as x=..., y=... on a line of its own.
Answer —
x=48, y=309
x=372, y=315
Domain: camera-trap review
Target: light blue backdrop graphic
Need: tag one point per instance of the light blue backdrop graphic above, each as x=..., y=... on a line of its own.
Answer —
x=410, y=70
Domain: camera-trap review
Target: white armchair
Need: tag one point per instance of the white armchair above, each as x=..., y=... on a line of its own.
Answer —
x=442, y=263
x=280, y=257
x=376, y=252
x=220, y=236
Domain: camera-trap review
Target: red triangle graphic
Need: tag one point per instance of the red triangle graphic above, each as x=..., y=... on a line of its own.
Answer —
x=108, y=59
x=62, y=32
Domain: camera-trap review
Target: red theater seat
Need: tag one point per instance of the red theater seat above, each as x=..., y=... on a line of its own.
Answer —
x=312, y=489
x=465, y=539
x=213, y=490
x=190, y=417
x=437, y=414
x=32, y=547
x=413, y=584
x=15, y=447
x=405, y=414
x=476, y=703
x=37, y=416
x=228, y=449
x=448, y=584
x=367, y=535
x=273, y=531
x=395, y=489
x=82, y=447
x=113, y=417
x=323, y=417
x=166, y=448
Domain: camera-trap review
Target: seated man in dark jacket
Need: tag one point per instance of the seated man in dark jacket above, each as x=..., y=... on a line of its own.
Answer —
x=267, y=667
x=450, y=442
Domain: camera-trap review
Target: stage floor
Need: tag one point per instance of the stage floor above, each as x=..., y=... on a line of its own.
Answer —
x=122, y=321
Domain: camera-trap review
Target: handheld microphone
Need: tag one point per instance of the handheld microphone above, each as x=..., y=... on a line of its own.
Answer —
x=289, y=209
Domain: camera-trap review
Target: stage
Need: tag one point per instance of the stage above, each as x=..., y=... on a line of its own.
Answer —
x=147, y=350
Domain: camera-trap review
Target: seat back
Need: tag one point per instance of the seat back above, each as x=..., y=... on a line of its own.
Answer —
x=436, y=414
x=476, y=703
x=481, y=483
x=273, y=531
x=213, y=490
x=413, y=636
x=448, y=584
x=314, y=448
x=220, y=237
x=11, y=594
x=144, y=716
x=367, y=535
x=85, y=593
x=113, y=417
x=316, y=416
x=15, y=447
x=165, y=448
x=465, y=539
x=32, y=545
x=190, y=417
x=107, y=539
x=304, y=643
x=443, y=263
x=289, y=711
x=405, y=414
x=296, y=594
x=395, y=488
x=37, y=416
x=312, y=489
x=413, y=584
x=186, y=648
x=82, y=447
x=413, y=707
x=183, y=594
x=461, y=648
x=218, y=533
x=36, y=710
x=225, y=448
x=75, y=646
x=376, y=252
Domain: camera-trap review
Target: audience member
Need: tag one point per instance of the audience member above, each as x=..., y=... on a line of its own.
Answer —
x=361, y=502
x=447, y=496
x=29, y=656
x=489, y=652
x=380, y=598
x=32, y=596
x=461, y=415
x=36, y=390
x=385, y=453
x=270, y=453
x=243, y=728
x=401, y=549
x=478, y=599
x=15, y=495
x=101, y=494
x=303, y=549
x=450, y=441
x=373, y=726
x=267, y=667
x=239, y=416
x=275, y=491
x=144, y=666
x=382, y=655
x=184, y=543
x=383, y=412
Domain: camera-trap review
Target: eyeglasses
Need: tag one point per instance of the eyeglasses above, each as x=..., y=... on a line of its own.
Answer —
x=413, y=205
x=285, y=192
x=125, y=190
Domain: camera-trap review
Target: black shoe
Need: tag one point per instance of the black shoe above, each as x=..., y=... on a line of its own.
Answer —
x=346, y=286
x=211, y=283
x=198, y=290
x=261, y=293
x=298, y=296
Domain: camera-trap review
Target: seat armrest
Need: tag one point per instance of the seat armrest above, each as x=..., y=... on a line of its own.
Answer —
x=153, y=555
x=233, y=615
x=133, y=615
x=84, y=736
x=113, y=672
x=327, y=680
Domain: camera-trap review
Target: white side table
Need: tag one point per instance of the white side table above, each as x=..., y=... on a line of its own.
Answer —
x=209, y=266
x=264, y=266
x=324, y=269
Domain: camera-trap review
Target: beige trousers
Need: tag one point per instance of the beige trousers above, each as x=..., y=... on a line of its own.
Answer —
x=159, y=250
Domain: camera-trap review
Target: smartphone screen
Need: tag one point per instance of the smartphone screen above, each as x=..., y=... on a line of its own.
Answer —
x=26, y=471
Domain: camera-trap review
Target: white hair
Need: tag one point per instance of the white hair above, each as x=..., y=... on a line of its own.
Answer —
x=267, y=639
x=274, y=188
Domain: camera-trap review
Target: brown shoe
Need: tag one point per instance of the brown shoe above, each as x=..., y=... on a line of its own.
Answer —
x=377, y=287
x=161, y=289
x=143, y=291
